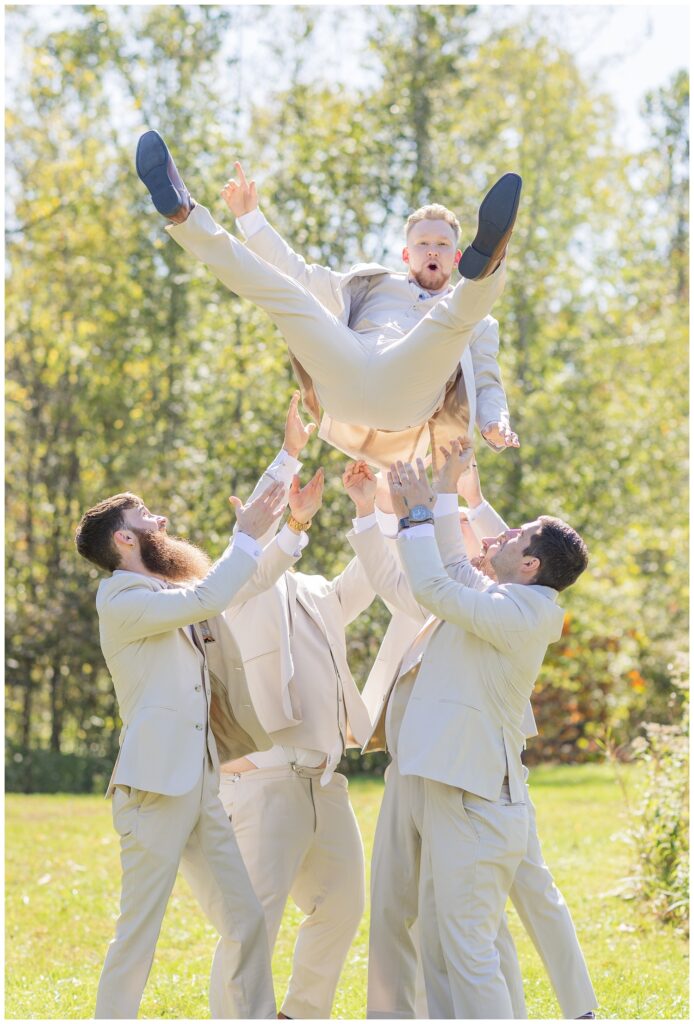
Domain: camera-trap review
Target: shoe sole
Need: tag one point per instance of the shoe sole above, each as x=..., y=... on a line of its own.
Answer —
x=151, y=162
x=496, y=218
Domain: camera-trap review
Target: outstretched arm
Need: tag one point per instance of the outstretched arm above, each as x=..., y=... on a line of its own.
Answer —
x=409, y=488
x=484, y=520
x=458, y=539
x=285, y=549
x=378, y=562
x=492, y=407
x=285, y=465
x=281, y=552
x=241, y=198
x=135, y=611
x=493, y=616
x=353, y=589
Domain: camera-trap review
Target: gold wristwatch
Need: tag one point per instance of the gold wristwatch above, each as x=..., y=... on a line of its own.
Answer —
x=298, y=527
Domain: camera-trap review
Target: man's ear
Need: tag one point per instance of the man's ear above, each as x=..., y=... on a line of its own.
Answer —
x=405, y=255
x=458, y=255
x=124, y=537
x=531, y=567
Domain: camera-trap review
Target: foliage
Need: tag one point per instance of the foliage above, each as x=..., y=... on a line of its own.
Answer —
x=659, y=829
x=128, y=366
x=50, y=771
x=63, y=874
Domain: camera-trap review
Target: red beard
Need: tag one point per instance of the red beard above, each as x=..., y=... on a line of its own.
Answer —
x=431, y=281
x=171, y=557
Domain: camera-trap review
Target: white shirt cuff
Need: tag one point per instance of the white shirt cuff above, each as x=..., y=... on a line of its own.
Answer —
x=247, y=544
x=363, y=523
x=388, y=522
x=283, y=467
x=292, y=543
x=446, y=505
x=417, y=532
x=251, y=223
x=472, y=513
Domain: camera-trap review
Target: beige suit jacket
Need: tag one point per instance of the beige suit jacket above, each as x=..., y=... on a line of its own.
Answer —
x=261, y=628
x=464, y=722
x=475, y=394
x=162, y=679
x=407, y=615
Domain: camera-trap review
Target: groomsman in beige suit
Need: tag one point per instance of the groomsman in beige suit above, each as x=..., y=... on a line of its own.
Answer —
x=393, y=953
x=397, y=360
x=155, y=610
x=289, y=806
x=471, y=947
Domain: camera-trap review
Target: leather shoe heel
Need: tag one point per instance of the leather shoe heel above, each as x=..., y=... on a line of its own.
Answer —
x=496, y=218
x=156, y=168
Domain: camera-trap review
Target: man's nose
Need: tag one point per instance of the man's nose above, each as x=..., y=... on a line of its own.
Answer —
x=510, y=534
x=161, y=522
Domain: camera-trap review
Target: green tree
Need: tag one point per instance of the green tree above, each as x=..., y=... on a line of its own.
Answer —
x=129, y=366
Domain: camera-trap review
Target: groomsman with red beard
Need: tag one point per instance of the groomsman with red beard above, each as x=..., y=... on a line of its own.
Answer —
x=179, y=720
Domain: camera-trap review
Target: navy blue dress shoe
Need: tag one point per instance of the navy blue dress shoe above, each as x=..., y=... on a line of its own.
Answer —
x=156, y=168
x=496, y=218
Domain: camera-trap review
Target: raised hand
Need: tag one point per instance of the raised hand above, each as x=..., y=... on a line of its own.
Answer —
x=240, y=196
x=360, y=483
x=296, y=434
x=409, y=487
x=383, y=499
x=304, y=502
x=483, y=563
x=256, y=517
x=469, y=486
x=456, y=460
x=501, y=435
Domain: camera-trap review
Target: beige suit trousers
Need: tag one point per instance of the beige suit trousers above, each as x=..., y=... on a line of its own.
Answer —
x=157, y=834
x=372, y=380
x=301, y=839
x=547, y=920
x=395, y=987
x=471, y=848
x=393, y=946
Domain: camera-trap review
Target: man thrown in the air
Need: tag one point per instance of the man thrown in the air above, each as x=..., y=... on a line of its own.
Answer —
x=397, y=361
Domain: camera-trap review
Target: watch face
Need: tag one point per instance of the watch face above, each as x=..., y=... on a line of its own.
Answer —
x=418, y=513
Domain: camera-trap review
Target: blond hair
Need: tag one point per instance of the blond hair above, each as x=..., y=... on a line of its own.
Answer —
x=433, y=211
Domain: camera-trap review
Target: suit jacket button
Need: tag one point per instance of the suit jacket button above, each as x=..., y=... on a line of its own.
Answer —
x=198, y=687
x=198, y=726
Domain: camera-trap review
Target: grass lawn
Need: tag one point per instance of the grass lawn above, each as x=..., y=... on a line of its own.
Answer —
x=62, y=878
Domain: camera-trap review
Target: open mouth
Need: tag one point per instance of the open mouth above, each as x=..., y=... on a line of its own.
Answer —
x=432, y=266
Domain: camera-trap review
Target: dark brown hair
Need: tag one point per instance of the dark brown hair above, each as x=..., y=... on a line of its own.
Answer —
x=94, y=535
x=563, y=554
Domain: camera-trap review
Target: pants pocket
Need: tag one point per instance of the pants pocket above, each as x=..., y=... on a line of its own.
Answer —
x=124, y=811
x=468, y=819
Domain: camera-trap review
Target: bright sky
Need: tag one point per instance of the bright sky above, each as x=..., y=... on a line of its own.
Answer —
x=629, y=48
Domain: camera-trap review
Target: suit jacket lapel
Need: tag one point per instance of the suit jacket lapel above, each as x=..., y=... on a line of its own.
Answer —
x=307, y=603
x=194, y=634
x=416, y=649
x=289, y=583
